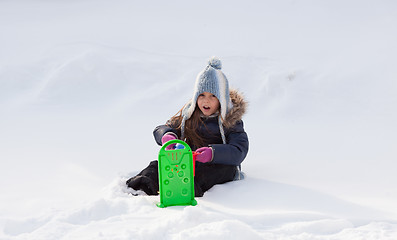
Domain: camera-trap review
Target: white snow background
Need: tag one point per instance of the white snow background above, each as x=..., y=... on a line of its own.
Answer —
x=84, y=83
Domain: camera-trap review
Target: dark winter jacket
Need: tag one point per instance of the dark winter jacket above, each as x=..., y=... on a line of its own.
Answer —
x=236, y=147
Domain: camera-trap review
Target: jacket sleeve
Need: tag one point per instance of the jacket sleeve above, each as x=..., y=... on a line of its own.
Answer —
x=159, y=132
x=234, y=152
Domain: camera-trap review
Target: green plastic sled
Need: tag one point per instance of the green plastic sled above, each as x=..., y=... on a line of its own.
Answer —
x=176, y=180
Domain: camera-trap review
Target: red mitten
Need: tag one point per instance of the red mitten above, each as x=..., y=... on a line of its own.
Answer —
x=166, y=138
x=204, y=154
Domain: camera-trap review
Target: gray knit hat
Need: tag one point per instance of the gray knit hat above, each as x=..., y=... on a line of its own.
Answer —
x=211, y=80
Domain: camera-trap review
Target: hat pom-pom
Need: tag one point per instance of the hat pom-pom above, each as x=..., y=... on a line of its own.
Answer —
x=215, y=63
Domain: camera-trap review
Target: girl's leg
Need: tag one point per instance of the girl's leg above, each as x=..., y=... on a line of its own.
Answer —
x=147, y=180
x=208, y=175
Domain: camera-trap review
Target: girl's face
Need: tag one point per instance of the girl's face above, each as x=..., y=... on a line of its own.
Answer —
x=208, y=103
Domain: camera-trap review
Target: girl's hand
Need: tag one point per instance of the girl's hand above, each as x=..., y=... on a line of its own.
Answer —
x=166, y=138
x=204, y=154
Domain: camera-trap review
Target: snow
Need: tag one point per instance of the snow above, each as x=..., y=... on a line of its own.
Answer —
x=84, y=83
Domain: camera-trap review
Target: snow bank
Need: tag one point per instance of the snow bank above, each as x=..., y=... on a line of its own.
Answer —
x=230, y=211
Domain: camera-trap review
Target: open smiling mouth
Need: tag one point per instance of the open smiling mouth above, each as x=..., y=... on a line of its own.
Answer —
x=206, y=108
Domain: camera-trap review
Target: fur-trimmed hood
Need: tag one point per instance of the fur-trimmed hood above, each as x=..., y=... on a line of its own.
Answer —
x=233, y=115
x=239, y=108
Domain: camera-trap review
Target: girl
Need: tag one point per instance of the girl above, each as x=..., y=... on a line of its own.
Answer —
x=211, y=124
